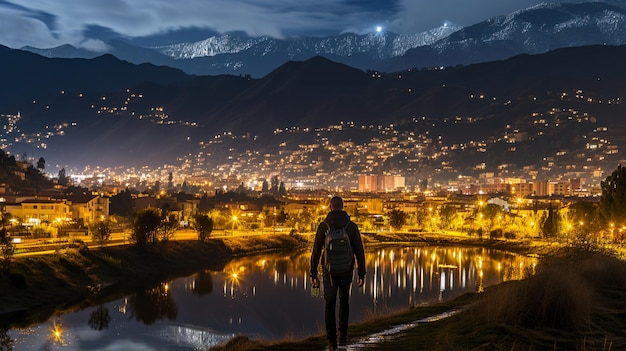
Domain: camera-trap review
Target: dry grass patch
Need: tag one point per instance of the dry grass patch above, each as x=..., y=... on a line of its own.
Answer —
x=576, y=301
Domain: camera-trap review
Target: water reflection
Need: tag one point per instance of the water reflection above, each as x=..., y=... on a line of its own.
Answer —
x=100, y=318
x=268, y=297
x=56, y=333
x=202, y=284
x=152, y=305
x=427, y=274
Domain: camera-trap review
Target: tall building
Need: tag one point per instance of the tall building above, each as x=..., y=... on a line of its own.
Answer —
x=540, y=188
x=368, y=183
x=380, y=183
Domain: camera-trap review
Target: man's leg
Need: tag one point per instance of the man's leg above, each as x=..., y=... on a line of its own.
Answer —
x=330, y=295
x=344, y=306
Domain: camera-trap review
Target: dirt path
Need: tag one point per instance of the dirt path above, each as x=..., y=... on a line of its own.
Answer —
x=373, y=341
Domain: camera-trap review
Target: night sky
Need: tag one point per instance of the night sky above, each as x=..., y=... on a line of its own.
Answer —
x=91, y=23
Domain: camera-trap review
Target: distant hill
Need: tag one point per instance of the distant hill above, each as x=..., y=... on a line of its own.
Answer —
x=20, y=177
x=33, y=75
x=131, y=116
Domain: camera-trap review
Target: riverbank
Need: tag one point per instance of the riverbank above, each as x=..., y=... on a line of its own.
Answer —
x=75, y=277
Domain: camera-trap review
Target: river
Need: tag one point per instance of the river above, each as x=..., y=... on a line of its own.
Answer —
x=268, y=296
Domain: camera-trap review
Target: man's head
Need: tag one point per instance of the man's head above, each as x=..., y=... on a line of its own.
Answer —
x=336, y=203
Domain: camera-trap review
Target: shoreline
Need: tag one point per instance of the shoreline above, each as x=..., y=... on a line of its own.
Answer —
x=66, y=279
x=75, y=277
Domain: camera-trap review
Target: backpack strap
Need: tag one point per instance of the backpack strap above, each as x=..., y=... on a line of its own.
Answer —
x=345, y=227
x=328, y=225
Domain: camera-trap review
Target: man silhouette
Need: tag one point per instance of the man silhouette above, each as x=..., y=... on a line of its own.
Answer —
x=337, y=282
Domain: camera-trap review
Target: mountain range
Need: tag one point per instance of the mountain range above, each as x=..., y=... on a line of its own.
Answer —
x=536, y=93
x=553, y=115
x=534, y=30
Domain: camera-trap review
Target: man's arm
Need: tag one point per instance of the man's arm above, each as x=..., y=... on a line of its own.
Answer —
x=316, y=254
x=359, y=253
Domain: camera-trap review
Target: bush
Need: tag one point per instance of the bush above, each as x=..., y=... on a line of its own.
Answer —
x=40, y=233
x=204, y=225
x=509, y=235
x=495, y=234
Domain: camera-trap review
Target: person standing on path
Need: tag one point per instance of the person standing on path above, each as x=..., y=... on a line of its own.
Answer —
x=337, y=282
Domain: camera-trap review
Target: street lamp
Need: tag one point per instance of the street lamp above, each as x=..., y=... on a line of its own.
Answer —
x=234, y=220
x=13, y=221
x=274, y=223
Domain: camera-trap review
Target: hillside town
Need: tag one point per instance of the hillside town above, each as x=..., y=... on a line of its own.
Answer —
x=495, y=207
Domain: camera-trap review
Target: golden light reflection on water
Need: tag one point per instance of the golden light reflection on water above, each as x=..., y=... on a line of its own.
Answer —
x=56, y=333
x=233, y=279
x=415, y=275
x=443, y=269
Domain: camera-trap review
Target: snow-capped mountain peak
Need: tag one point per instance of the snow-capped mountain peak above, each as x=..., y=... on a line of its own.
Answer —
x=215, y=45
x=381, y=45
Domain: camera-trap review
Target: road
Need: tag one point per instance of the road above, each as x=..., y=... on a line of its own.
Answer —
x=43, y=246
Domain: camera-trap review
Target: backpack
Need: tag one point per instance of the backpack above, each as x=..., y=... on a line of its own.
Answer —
x=338, y=254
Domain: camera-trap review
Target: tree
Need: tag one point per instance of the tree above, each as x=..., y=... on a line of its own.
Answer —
x=447, y=214
x=8, y=249
x=145, y=227
x=282, y=191
x=170, y=180
x=184, y=187
x=488, y=215
x=551, y=224
x=266, y=188
x=121, y=204
x=579, y=217
x=205, y=204
x=612, y=205
x=167, y=227
x=302, y=221
x=204, y=225
x=397, y=218
x=241, y=189
x=62, y=177
x=41, y=163
x=281, y=217
x=274, y=185
x=101, y=231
